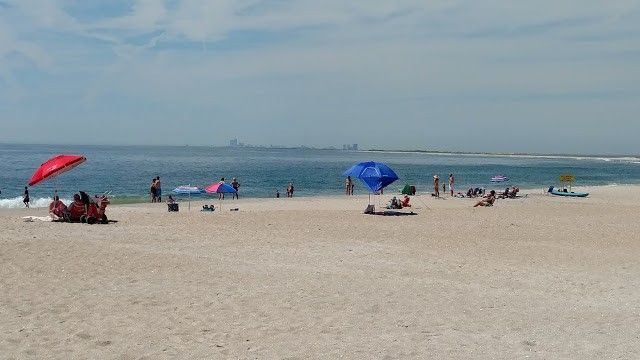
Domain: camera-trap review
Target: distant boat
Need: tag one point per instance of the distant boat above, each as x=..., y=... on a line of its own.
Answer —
x=558, y=192
x=499, y=179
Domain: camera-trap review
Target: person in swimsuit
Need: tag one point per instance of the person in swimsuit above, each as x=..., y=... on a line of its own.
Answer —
x=152, y=190
x=221, y=195
x=436, y=185
x=77, y=208
x=236, y=185
x=290, y=190
x=57, y=208
x=348, y=184
x=488, y=201
x=158, y=190
x=26, y=199
x=451, y=182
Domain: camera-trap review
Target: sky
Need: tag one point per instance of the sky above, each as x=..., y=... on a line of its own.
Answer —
x=541, y=76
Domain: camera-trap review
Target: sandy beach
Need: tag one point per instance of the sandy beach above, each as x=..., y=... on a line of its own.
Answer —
x=540, y=277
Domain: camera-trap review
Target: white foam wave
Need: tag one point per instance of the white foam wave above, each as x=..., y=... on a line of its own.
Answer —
x=16, y=203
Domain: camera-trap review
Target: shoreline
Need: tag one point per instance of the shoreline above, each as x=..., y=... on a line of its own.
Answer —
x=199, y=201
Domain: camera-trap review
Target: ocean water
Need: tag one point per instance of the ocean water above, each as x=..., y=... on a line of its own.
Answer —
x=126, y=171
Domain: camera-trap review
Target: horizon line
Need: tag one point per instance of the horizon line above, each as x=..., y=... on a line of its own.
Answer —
x=336, y=148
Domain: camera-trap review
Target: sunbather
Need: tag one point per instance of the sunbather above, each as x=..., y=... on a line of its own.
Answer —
x=405, y=202
x=394, y=204
x=488, y=201
x=77, y=208
x=57, y=208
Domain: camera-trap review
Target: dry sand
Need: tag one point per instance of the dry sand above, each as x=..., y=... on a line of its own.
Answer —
x=540, y=278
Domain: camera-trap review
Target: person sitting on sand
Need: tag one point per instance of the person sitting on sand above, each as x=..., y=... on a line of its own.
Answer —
x=57, y=208
x=77, y=208
x=505, y=194
x=171, y=200
x=405, y=202
x=394, y=204
x=470, y=193
x=488, y=201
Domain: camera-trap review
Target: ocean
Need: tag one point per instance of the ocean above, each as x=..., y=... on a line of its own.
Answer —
x=126, y=171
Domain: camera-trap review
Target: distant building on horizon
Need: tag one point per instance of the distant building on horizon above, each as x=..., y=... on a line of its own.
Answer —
x=233, y=142
x=353, y=147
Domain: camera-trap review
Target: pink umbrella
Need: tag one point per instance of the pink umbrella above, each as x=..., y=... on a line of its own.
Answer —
x=220, y=187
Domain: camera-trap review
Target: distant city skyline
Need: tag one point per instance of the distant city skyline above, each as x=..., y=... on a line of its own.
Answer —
x=461, y=75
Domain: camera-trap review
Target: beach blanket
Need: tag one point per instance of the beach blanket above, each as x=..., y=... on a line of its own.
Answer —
x=38, y=218
x=393, y=213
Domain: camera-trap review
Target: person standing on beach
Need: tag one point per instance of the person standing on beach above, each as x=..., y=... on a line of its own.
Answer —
x=236, y=185
x=348, y=184
x=152, y=190
x=221, y=195
x=26, y=199
x=158, y=190
x=290, y=190
x=436, y=185
x=451, y=182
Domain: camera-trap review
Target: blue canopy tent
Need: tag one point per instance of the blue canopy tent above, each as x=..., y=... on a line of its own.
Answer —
x=188, y=190
x=375, y=176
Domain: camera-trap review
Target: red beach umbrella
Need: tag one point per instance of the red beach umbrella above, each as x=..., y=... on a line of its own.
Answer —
x=55, y=166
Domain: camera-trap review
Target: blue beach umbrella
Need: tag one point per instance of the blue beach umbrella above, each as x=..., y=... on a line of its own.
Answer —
x=220, y=188
x=375, y=176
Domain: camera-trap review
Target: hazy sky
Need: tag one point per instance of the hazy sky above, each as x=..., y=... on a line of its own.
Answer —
x=535, y=76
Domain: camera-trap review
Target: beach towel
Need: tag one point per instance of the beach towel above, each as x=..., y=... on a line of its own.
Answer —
x=38, y=218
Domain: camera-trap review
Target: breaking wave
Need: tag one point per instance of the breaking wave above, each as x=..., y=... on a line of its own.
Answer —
x=16, y=203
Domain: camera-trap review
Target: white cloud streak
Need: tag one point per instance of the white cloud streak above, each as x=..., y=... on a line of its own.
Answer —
x=280, y=60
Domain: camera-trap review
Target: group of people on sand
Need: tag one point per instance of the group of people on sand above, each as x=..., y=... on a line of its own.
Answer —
x=79, y=207
x=289, y=191
x=396, y=203
x=436, y=185
x=509, y=193
x=235, y=184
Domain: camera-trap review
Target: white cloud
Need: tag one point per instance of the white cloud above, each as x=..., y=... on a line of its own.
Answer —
x=358, y=60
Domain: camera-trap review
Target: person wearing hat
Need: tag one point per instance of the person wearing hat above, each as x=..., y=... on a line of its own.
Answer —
x=436, y=185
